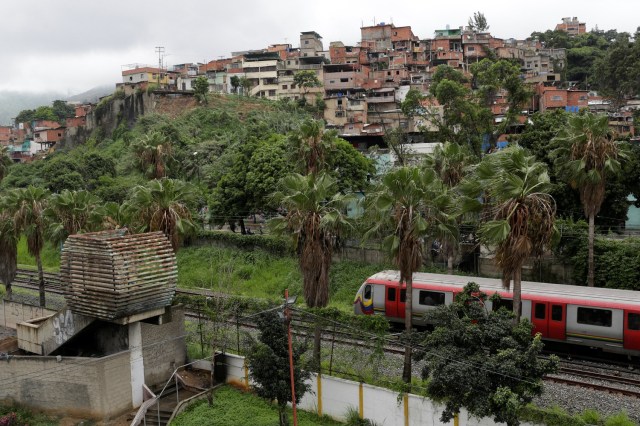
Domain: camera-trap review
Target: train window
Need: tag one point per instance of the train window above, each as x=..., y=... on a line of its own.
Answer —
x=634, y=321
x=367, y=291
x=541, y=311
x=594, y=316
x=403, y=296
x=504, y=303
x=556, y=312
x=391, y=294
x=431, y=298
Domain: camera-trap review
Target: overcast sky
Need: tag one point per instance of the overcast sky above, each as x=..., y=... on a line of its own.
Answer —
x=70, y=46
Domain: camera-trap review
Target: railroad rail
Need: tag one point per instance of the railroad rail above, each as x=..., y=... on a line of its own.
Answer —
x=595, y=386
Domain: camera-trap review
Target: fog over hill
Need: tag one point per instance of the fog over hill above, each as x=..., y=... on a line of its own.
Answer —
x=12, y=102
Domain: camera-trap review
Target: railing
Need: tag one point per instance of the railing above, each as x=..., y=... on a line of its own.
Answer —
x=149, y=400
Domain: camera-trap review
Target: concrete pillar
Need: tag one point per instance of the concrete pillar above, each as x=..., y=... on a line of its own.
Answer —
x=137, y=363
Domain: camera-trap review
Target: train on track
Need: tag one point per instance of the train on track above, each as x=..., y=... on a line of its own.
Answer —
x=603, y=318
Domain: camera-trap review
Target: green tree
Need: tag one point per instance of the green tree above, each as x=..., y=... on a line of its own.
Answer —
x=519, y=210
x=5, y=162
x=45, y=113
x=616, y=72
x=588, y=157
x=315, y=218
x=201, y=89
x=478, y=23
x=63, y=110
x=246, y=85
x=153, y=152
x=412, y=104
x=268, y=362
x=451, y=163
x=115, y=215
x=28, y=205
x=69, y=213
x=267, y=165
x=163, y=205
x=305, y=80
x=405, y=208
x=478, y=359
x=9, y=236
x=25, y=116
x=235, y=83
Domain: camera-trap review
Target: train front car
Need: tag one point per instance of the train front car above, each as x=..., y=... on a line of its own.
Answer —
x=363, y=303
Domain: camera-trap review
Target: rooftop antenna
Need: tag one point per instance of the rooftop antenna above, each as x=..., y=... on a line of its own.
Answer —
x=160, y=52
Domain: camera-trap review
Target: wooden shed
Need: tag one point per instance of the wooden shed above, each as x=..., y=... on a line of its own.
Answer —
x=114, y=274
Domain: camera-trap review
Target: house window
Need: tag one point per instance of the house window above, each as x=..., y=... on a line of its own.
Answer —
x=284, y=87
x=344, y=80
x=556, y=98
x=272, y=92
x=306, y=42
x=594, y=316
x=470, y=49
x=431, y=298
x=634, y=321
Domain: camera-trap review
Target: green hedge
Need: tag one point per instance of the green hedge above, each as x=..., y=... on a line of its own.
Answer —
x=617, y=263
x=275, y=245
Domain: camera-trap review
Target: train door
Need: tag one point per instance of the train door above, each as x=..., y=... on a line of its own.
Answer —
x=557, y=321
x=632, y=330
x=540, y=318
x=395, y=302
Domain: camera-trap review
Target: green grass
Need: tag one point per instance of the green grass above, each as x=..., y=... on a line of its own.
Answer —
x=50, y=257
x=232, y=407
x=24, y=416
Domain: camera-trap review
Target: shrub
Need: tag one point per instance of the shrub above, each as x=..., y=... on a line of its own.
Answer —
x=272, y=244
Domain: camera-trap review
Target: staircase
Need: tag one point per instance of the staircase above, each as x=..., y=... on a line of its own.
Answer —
x=44, y=335
x=168, y=402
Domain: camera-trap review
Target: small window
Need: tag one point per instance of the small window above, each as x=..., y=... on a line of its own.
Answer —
x=391, y=294
x=541, y=311
x=594, y=316
x=344, y=80
x=634, y=322
x=556, y=98
x=403, y=296
x=431, y=298
x=367, y=292
x=284, y=87
x=556, y=312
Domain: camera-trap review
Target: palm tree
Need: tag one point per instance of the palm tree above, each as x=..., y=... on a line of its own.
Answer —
x=154, y=152
x=114, y=215
x=451, y=163
x=587, y=156
x=28, y=205
x=315, y=218
x=5, y=162
x=9, y=237
x=519, y=211
x=408, y=205
x=71, y=212
x=310, y=145
x=162, y=205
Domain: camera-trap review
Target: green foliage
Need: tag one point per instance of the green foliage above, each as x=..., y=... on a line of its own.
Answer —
x=201, y=89
x=269, y=365
x=353, y=418
x=618, y=263
x=23, y=416
x=119, y=94
x=50, y=256
x=306, y=79
x=478, y=22
x=278, y=246
x=481, y=361
x=63, y=110
x=232, y=407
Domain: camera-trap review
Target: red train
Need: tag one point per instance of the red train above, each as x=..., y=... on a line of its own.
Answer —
x=596, y=317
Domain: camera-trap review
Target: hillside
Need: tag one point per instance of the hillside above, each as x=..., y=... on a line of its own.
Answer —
x=11, y=103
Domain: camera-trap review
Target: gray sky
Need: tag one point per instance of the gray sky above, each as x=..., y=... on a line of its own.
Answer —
x=70, y=46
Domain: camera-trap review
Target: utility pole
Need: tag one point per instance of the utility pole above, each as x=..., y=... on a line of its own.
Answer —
x=160, y=52
x=287, y=315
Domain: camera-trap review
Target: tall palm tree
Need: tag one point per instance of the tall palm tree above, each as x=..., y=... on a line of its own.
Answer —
x=71, y=212
x=519, y=212
x=153, y=152
x=9, y=237
x=587, y=157
x=310, y=146
x=408, y=205
x=451, y=163
x=28, y=205
x=114, y=215
x=315, y=218
x=163, y=205
x=5, y=162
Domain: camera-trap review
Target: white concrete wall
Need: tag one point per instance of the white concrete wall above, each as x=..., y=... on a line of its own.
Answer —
x=334, y=396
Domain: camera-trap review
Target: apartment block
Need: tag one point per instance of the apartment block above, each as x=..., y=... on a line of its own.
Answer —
x=572, y=26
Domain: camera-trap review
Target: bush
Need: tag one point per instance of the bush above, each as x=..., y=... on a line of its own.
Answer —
x=275, y=245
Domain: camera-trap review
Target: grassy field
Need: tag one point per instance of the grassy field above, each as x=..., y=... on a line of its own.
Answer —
x=247, y=273
x=232, y=407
